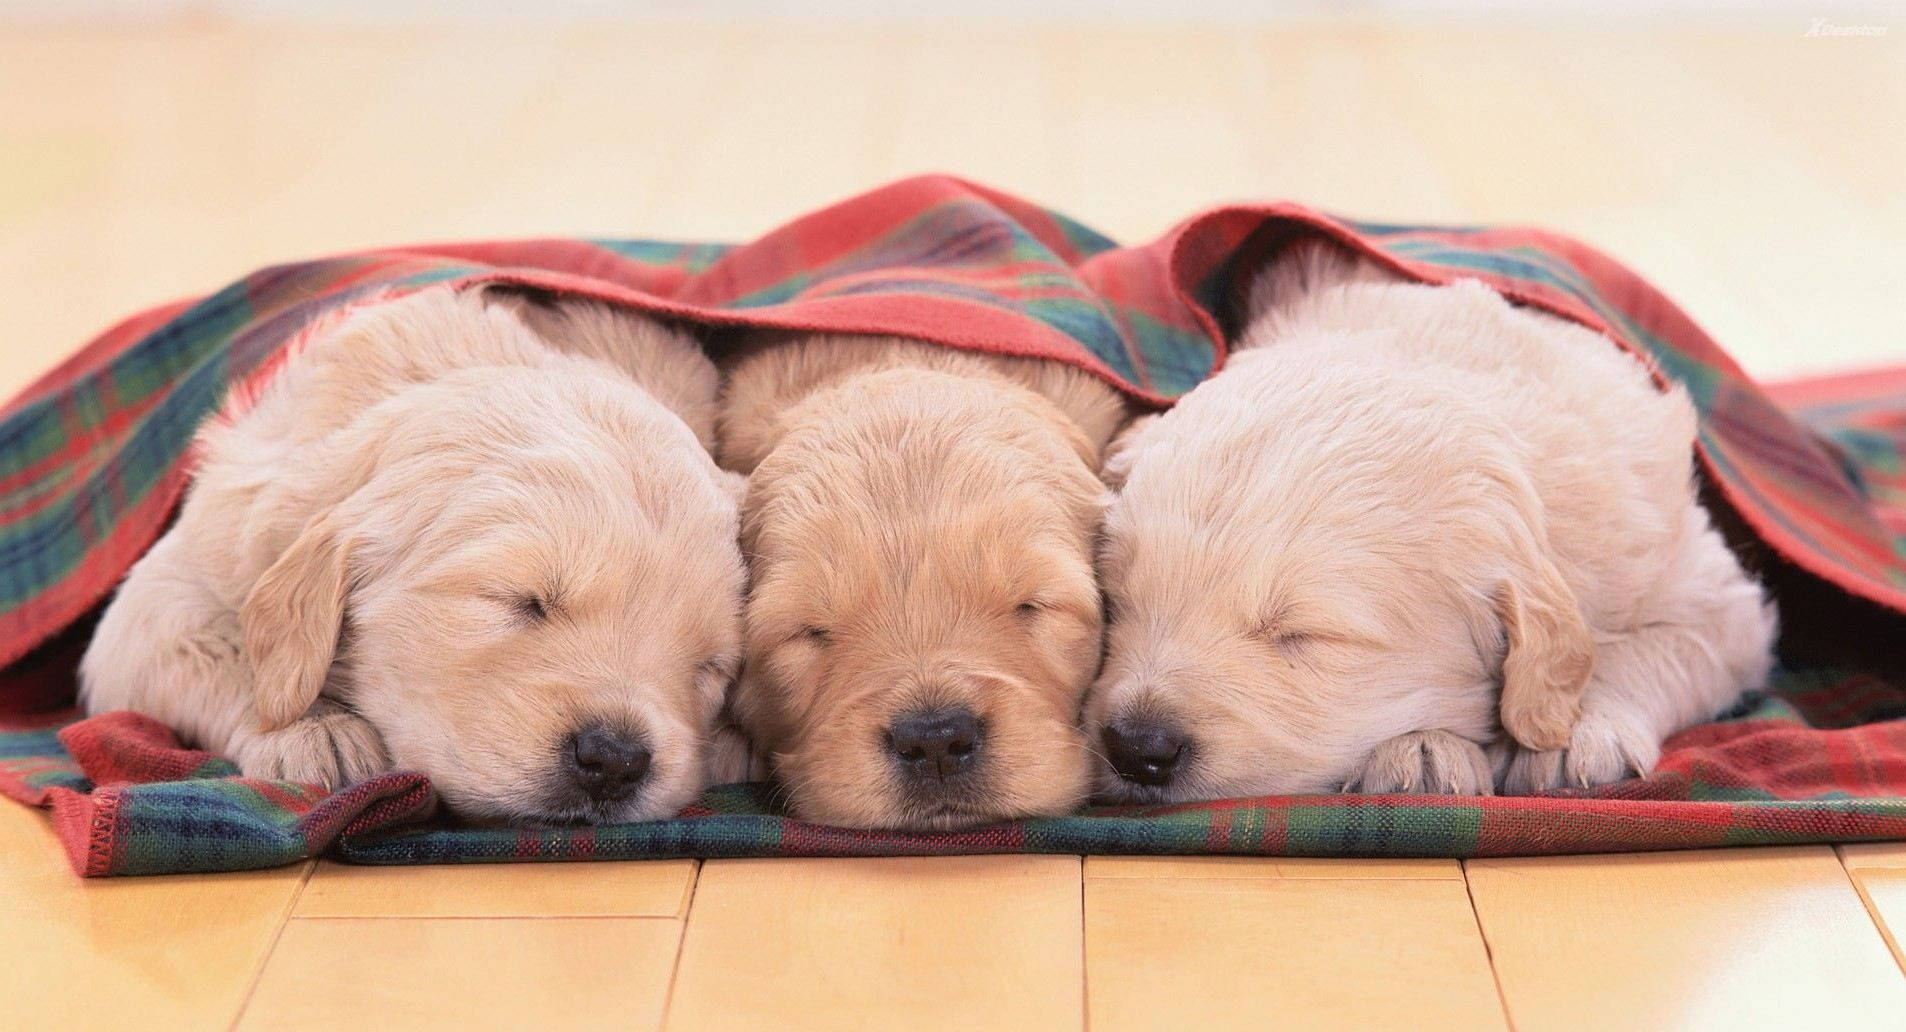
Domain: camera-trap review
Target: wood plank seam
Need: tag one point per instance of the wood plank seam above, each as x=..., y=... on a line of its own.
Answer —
x=264, y=955
x=488, y=917
x=1890, y=862
x=688, y=893
x=1488, y=950
x=681, y=940
x=1259, y=878
x=1872, y=911
x=1085, y=956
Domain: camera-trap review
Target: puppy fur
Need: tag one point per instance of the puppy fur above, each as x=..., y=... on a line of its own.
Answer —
x=437, y=542
x=920, y=526
x=1415, y=538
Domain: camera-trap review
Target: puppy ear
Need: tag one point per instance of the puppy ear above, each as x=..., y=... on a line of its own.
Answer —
x=755, y=712
x=1550, y=656
x=732, y=757
x=291, y=620
x=1122, y=453
x=1070, y=432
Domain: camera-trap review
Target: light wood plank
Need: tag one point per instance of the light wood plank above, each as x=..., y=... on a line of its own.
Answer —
x=1270, y=867
x=945, y=942
x=465, y=974
x=655, y=888
x=1861, y=855
x=1735, y=940
x=119, y=953
x=1285, y=953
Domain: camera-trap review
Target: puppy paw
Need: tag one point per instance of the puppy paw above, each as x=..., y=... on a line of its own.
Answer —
x=1433, y=762
x=1601, y=750
x=330, y=746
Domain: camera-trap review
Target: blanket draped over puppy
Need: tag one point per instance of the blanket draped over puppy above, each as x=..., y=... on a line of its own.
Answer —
x=1807, y=478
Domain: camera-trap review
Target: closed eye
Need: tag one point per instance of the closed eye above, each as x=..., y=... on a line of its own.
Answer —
x=525, y=606
x=813, y=636
x=1285, y=639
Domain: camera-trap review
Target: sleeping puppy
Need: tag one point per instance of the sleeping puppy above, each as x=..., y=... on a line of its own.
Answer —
x=438, y=543
x=1403, y=521
x=923, y=617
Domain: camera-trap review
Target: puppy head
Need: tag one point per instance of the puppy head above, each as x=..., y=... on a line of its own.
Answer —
x=1305, y=559
x=528, y=583
x=923, y=616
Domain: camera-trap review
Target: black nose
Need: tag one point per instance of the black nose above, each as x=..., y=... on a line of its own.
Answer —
x=605, y=763
x=937, y=743
x=1143, y=752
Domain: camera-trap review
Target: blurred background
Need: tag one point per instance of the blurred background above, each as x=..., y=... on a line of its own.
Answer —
x=1749, y=158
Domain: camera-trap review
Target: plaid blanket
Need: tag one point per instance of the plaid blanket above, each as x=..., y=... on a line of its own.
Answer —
x=94, y=456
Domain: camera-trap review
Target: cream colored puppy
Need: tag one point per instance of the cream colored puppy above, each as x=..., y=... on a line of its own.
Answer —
x=923, y=617
x=436, y=542
x=1403, y=521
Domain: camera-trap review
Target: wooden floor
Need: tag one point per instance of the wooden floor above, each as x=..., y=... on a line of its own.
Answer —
x=1753, y=172
x=1751, y=939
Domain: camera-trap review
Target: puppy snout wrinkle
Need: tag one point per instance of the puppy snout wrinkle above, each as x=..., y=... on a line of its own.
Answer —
x=1143, y=752
x=936, y=744
x=606, y=763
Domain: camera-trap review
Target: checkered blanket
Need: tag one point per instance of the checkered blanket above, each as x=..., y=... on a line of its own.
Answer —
x=94, y=456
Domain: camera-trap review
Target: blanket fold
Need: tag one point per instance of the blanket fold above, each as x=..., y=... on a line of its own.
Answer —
x=95, y=455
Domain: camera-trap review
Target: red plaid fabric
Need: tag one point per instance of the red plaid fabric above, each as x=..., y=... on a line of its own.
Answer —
x=94, y=456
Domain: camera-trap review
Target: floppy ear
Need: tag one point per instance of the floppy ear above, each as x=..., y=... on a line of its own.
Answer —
x=1550, y=656
x=732, y=757
x=1122, y=452
x=757, y=712
x=291, y=619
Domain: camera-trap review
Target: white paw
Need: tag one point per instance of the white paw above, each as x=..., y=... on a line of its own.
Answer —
x=330, y=746
x=1433, y=762
x=1602, y=750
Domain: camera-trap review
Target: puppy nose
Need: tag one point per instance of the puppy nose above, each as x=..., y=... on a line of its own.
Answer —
x=605, y=763
x=1143, y=752
x=937, y=743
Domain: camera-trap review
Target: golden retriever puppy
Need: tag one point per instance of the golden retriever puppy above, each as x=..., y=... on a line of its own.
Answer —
x=437, y=542
x=923, y=617
x=1408, y=536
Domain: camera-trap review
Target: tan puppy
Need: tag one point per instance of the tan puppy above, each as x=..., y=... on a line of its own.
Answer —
x=923, y=616
x=435, y=542
x=1404, y=520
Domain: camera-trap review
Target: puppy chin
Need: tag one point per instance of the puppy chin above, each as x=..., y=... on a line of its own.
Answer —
x=556, y=803
x=875, y=803
x=581, y=810
x=1111, y=790
x=881, y=802
x=946, y=818
x=896, y=812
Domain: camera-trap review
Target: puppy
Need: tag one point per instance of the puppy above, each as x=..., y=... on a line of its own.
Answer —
x=924, y=616
x=1403, y=521
x=437, y=542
